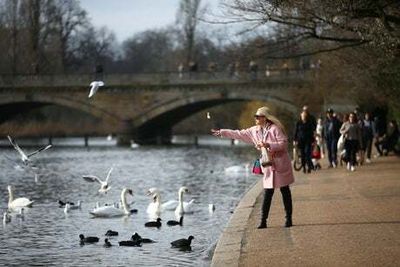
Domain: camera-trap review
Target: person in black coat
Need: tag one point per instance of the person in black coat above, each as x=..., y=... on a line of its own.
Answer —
x=331, y=134
x=303, y=138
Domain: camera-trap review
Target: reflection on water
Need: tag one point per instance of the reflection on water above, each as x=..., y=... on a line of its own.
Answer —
x=47, y=236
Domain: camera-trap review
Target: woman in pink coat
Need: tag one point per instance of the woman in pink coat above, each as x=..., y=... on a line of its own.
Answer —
x=269, y=133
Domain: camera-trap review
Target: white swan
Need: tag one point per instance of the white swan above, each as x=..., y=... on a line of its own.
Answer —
x=104, y=187
x=15, y=204
x=25, y=157
x=94, y=86
x=154, y=208
x=173, y=204
x=111, y=211
x=181, y=208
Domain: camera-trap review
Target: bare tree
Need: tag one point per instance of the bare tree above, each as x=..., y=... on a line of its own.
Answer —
x=68, y=18
x=336, y=23
x=188, y=18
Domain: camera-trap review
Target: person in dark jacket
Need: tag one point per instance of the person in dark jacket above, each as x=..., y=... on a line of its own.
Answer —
x=331, y=134
x=303, y=138
x=368, y=133
x=388, y=142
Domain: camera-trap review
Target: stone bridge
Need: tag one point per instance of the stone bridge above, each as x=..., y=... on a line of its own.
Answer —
x=145, y=107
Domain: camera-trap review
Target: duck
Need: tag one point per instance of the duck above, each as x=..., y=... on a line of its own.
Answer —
x=61, y=203
x=173, y=222
x=154, y=224
x=181, y=208
x=111, y=211
x=107, y=243
x=111, y=233
x=104, y=185
x=183, y=242
x=172, y=204
x=130, y=243
x=154, y=208
x=69, y=207
x=138, y=238
x=89, y=239
x=15, y=204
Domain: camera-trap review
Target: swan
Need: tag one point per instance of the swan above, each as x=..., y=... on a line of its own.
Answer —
x=154, y=208
x=104, y=187
x=172, y=204
x=26, y=157
x=181, y=208
x=94, y=86
x=111, y=211
x=14, y=204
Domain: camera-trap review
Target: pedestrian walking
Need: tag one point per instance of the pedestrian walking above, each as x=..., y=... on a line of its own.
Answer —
x=353, y=140
x=331, y=135
x=268, y=133
x=303, y=139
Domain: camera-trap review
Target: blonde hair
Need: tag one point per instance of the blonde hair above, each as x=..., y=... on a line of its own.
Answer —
x=265, y=112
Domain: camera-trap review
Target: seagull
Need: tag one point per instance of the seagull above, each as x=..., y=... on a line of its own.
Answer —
x=103, y=184
x=94, y=86
x=24, y=157
x=208, y=116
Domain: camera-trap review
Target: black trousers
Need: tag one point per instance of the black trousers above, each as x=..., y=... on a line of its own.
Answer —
x=287, y=202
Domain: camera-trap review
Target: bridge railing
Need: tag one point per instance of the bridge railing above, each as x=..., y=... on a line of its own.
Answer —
x=121, y=79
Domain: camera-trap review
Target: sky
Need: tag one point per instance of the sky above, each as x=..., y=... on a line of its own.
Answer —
x=127, y=17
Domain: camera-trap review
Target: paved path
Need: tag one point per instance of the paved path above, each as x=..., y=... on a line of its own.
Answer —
x=340, y=218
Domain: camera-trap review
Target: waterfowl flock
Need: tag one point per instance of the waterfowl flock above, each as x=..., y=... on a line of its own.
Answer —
x=155, y=209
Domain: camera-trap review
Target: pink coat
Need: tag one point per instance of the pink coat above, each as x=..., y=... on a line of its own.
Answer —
x=280, y=173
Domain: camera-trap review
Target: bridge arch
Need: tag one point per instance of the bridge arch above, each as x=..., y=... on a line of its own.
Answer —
x=37, y=100
x=155, y=125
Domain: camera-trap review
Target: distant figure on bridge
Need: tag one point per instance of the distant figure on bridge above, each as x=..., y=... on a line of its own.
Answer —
x=267, y=71
x=285, y=68
x=253, y=68
x=237, y=70
x=268, y=133
x=180, y=70
x=231, y=70
x=212, y=68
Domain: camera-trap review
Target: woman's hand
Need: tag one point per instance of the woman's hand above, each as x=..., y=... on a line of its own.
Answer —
x=261, y=144
x=216, y=132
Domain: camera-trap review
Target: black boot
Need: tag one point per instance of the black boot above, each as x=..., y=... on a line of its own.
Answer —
x=288, y=222
x=268, y=193
x=287, y=203
x=263, y=224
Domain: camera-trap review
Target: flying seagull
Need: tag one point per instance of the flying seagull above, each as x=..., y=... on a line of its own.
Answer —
x=103, y=184
x=26, y=157
x=94, y=86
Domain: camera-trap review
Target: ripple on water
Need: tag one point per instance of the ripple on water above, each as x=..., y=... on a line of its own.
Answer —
x=49, y=237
